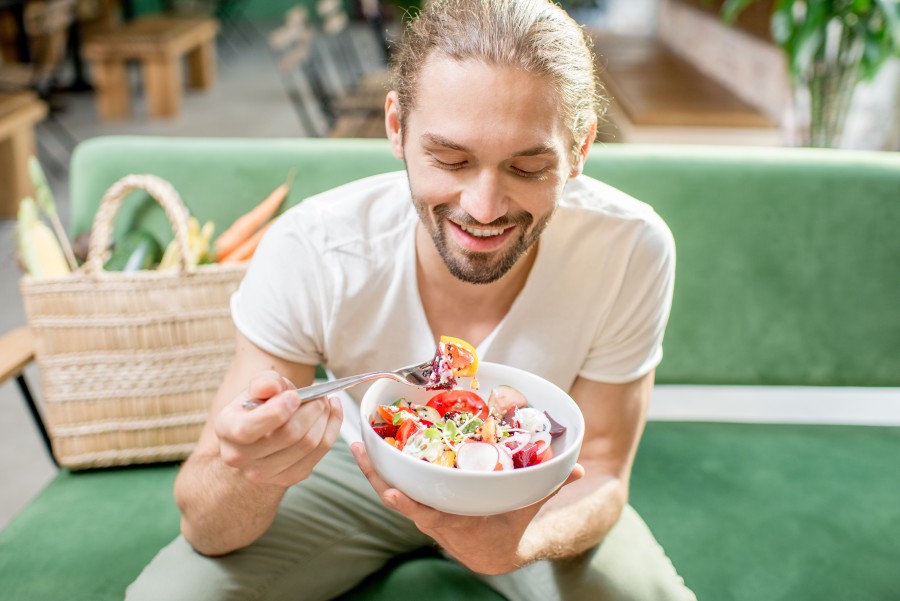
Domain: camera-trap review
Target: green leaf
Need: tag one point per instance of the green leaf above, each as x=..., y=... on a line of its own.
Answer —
x=432, y=433
x=890, y=10
x=473, y=426
x=878, y=48
x=782, y=24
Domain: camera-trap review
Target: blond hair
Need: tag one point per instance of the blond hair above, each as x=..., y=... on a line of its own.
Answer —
x=534, y=35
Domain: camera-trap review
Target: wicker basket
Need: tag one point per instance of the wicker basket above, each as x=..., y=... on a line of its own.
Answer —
x=129, y=362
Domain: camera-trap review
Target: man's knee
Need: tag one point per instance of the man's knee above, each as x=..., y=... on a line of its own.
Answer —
x=178, y=573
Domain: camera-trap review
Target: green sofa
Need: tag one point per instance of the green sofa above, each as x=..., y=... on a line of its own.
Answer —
x=788, y=274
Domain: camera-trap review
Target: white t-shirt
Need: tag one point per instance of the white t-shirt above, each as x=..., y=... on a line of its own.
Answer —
x=334, y=282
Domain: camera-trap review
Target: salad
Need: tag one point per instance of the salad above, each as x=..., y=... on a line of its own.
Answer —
x=457, y=428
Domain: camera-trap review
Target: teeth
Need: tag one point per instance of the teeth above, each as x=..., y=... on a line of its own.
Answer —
x=480, y=233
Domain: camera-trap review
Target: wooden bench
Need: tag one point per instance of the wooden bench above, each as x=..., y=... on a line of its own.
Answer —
x=158, y=43
x=19, y=113
x=657, y=96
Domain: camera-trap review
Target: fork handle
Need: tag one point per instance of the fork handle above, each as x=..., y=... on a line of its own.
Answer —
x=321, y=389
x=325, y=388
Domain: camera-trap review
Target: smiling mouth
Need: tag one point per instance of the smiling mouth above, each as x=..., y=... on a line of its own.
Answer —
x=483, y=232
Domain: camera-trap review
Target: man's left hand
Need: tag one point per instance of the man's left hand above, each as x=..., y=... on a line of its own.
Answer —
x=490, y=545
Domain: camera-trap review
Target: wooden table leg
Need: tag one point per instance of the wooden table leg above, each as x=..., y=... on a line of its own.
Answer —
x=14, y=181
x=162, y=82
x=17, y=143
x=202, y=65
x=113, y=94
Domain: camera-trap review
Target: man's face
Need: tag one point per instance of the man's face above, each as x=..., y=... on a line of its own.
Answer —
x=487, y=157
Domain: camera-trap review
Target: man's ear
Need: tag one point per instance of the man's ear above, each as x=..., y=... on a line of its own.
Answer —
x=392, y=124
x=584, y=148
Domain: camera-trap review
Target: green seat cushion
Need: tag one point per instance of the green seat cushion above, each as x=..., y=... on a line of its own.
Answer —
x=777, y=512
x=88, y=535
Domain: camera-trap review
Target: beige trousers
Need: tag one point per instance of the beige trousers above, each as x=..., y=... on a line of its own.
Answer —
x=332, y=531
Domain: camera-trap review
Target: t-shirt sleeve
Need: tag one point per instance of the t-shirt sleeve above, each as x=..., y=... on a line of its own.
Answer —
x=284, y=300
x=628, y=343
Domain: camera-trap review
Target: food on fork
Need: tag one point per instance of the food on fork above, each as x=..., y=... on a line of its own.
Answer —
x=454, y=358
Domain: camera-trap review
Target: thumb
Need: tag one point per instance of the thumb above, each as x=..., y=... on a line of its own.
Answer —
x=577, y=473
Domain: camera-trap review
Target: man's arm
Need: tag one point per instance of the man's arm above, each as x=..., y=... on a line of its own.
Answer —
x=230, y=487
x=581, y=514
x=576, y=518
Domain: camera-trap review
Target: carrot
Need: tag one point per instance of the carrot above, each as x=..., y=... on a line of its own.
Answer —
x=246, y=225
x=245, y=249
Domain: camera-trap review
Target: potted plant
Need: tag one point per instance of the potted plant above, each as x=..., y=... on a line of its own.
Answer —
x=831, y=46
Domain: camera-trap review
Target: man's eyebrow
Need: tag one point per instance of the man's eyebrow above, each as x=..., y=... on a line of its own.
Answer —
x=536, y=151
x=437, y=140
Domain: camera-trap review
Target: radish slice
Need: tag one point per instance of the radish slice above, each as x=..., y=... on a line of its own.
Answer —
x=542, y=438
x=504, y=397
x=506, y=461
x=478, y=456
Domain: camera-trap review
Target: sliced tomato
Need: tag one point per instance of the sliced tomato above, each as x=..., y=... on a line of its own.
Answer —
x=406, y=429
x=459, y=400
x=386, y=431
x=545, y=453
x=460, y=355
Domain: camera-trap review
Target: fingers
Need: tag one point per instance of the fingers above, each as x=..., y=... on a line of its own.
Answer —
x=287, y=454
x=244, y=427
x=267, y=384
x=298, y=460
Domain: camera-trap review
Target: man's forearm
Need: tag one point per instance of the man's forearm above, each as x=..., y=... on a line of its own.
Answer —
x=221, y=511
x=576, y=519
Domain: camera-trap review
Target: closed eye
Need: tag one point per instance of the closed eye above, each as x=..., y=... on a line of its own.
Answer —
x=530, y=174
x=450, y=166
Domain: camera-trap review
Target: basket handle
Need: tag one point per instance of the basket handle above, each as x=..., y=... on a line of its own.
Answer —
x=161, y=191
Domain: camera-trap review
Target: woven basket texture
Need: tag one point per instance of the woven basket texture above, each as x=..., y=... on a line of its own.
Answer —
x=129, y=362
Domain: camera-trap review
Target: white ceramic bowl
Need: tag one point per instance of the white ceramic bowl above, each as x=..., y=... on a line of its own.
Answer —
x=469, y=492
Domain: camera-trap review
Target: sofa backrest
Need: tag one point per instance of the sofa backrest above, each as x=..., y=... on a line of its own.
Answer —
x=788, y=267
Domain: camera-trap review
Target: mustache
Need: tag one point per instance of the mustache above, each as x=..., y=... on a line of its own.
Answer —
x=463, y=218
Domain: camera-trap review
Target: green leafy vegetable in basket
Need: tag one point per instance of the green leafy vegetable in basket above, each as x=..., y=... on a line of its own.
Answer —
x=138, y=250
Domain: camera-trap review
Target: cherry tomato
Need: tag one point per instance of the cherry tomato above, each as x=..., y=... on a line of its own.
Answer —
x=459, y=400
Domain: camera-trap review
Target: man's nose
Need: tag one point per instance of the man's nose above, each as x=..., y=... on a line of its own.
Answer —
x=484, y=198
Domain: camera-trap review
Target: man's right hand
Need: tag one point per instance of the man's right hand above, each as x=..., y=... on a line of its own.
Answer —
x=279, y=442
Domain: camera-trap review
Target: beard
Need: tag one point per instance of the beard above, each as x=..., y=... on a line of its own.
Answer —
x=480, y=267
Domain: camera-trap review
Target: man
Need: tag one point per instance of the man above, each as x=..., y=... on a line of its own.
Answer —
x=491, y=235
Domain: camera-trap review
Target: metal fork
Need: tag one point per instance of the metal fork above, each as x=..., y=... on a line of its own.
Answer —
x=420, y=375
